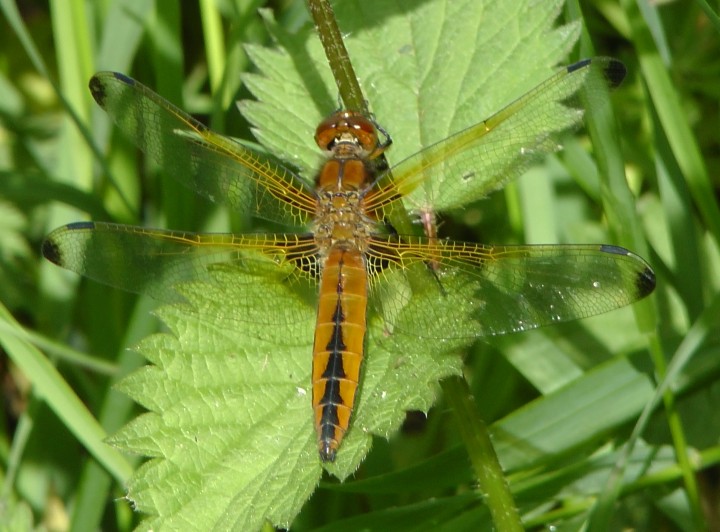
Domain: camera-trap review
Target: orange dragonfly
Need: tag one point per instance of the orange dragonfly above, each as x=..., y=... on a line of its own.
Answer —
x=350, y=256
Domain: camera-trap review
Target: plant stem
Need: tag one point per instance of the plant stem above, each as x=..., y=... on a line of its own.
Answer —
x=488, y=473
x=337, y=56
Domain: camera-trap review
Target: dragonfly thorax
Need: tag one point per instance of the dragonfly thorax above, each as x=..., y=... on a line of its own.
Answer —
x=340, y=218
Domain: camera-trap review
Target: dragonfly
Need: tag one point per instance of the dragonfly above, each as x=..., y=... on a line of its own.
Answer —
x=344, y=247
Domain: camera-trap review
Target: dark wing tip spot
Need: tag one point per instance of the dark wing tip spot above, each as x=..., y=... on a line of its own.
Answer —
x=614, y=72
x=97, y=89
x=51, y=251
x=645, y=282
x=97, y=85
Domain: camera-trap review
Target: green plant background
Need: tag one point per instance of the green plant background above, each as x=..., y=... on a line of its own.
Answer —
x=564, y=403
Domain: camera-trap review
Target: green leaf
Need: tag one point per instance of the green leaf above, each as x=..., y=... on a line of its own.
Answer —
x=229, y=421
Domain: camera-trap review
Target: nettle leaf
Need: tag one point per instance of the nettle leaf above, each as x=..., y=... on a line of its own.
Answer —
x=229, y=427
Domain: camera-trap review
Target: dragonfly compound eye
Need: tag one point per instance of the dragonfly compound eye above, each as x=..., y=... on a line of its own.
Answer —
x=343, y=125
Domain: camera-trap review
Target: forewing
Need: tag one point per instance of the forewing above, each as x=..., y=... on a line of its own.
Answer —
x=444, y=289
x=482, y=158
x=213, y=165
x=159, y=263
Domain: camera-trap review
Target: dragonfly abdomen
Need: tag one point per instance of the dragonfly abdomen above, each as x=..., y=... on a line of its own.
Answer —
x=339, y=345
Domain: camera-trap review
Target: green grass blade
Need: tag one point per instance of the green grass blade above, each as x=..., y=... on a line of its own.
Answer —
x=674, y=120
x=52, y=388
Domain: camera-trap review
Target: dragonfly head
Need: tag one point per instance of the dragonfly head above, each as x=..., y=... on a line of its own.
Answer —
x=346, y=131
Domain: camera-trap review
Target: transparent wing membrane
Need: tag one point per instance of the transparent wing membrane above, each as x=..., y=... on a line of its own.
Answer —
x=482, y=158
x=482, y=290
x=475, y=290
x=214, y=166
x=161, y=263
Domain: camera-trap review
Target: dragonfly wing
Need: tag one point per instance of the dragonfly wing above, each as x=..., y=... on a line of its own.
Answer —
x=159, y=262
x=482, y=158
x=213, y=165
x=478, y=290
